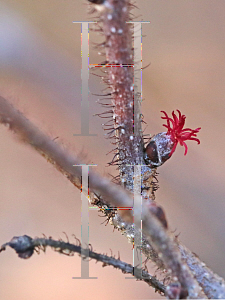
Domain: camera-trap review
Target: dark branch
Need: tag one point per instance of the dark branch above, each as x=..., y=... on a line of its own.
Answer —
x=25, y=247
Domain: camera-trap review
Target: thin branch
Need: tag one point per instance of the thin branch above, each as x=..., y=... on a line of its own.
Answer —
x=25, y=246
x=58, y=157
x=212, y=284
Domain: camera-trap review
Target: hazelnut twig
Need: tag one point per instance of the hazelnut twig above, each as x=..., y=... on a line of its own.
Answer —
x=25, y=247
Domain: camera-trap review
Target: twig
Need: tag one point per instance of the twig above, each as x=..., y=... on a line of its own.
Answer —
x=212, y=284
x=25, y=246
x=53, y=153
x=114, y=21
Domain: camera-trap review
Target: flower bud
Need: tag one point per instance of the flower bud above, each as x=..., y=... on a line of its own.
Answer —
x=158, y=150
x=97, y=1
x=162, y=145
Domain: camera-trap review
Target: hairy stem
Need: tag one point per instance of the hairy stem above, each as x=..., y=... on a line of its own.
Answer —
x=25, y=246
x=212, y=284
x=118, y=34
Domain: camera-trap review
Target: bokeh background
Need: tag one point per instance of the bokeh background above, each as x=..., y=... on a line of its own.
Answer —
x=40, y=73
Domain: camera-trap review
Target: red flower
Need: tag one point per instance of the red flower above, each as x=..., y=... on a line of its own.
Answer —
x=177, y=133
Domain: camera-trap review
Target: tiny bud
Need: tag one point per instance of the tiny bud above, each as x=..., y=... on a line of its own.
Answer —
x=152, y=152
x=158, y=150
x=173, y=290
x=97, y=1
x=22, y=245
x=159, y=213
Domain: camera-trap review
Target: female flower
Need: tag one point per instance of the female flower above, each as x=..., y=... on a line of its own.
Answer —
x=163, y=145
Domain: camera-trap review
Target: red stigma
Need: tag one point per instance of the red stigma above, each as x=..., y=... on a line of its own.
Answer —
x=177, y=133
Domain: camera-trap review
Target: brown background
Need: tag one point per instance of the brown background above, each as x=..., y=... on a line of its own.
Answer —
x=40, y=73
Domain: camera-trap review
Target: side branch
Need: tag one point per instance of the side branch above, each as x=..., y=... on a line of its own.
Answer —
x=25, y=246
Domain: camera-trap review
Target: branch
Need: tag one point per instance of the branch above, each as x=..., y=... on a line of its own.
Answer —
x=126, y=118
x=212, y=284
x=25, y=247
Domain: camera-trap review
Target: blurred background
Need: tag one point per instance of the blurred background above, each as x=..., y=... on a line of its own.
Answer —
x=40, y=73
